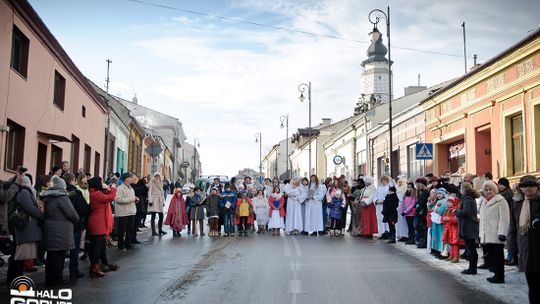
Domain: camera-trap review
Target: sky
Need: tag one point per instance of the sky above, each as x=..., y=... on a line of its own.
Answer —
x=227, y=80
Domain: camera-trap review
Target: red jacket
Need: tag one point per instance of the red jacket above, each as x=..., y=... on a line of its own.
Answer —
x=100, y=221
x=250, y=217
x=451, y=225
x=281, y=206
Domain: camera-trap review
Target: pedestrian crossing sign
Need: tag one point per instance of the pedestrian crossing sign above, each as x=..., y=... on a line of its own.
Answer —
x=424, y=151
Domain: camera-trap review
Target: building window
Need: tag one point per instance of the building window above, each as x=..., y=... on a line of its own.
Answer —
x=414, y=167
x=87, y=158
x=517, y=149
x=14, y=146
x=97, y=160
x=56, y=156
x=75, y=147
x=59, y=90
x=83, y=111
x=456, y=155
x=19, y=52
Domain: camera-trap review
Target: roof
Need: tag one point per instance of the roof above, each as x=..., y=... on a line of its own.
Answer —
x=34, y=22
x=534, y=35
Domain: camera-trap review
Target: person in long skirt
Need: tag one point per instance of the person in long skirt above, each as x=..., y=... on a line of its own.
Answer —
x=313, y=221
x=402, y=230
x=369, y=218
x=304, y=187
x=437, y=227
x=276, y=202
x=260, y=204
x=177, y=214
x=382, y=191
x=294, y=224
x=357, y=207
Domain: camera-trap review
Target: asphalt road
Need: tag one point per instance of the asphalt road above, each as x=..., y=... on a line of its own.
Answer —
x=267, y=269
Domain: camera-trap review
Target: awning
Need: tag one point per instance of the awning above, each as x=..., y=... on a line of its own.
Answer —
x=54, y=137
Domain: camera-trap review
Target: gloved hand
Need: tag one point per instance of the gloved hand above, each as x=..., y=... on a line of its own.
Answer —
x=502, y=238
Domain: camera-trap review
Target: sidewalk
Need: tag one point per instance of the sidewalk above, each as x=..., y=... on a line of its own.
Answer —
x=513, y=291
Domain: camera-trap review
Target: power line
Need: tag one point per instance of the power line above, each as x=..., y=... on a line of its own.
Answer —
x=283, y=28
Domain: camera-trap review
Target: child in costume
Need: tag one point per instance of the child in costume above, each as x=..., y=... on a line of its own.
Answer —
x=243, y=215
x=451, y=229
x=276, y=201
x=437, y=228
x=177, y=214
x=260, y=204
x=212, y=211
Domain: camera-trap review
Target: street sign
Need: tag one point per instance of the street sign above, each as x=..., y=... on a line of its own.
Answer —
x=424, y=151
x=154, y=149
x=338, y=160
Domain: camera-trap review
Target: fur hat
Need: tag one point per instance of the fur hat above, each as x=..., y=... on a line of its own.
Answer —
x=528, y=180
x=57, y=183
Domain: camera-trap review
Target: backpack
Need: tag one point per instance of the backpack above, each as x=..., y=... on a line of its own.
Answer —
x=17, y=217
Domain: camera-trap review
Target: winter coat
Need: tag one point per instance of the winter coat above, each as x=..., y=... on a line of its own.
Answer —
x=468, y=217
x=60, y=215
x=527, y=246
x=176, y=215
x=196, y=207
x=32, y=232
x=227, y=196
x=212, y=205
x=100, y=221
x=508, y=195
x=389, y=211
x=451, y=225
x=336, y=206
x=237, y=212
x=408, y=205
x=494, y=219
x=79, y=203
x=155, y=197
x=281, y=206
x=420, y=207
x=8, y=190
x=124, y=202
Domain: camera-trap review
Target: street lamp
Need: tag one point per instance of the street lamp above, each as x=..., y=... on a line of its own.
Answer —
x=196, y=144
x=374, y=17
x=285, y=119
x=258, y=139
x=302, y=88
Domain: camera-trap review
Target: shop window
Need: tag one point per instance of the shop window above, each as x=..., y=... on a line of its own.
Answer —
x=456, y=155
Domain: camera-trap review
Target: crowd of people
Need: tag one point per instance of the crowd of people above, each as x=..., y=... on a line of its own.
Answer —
x=66, y=215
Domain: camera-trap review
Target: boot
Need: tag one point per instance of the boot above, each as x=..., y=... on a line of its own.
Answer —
x=496, y=279
x=153, y=227
x=95, y=271
x=469, y=271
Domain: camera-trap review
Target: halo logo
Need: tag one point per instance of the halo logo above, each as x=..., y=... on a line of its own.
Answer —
x=22, y=291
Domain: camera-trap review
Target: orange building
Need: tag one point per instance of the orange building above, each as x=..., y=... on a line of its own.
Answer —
x=489, y=119
x=50, y=113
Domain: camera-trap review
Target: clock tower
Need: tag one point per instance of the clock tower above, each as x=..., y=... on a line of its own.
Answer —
x=375, y=69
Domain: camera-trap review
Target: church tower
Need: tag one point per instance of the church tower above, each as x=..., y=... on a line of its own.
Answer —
x=375, y=74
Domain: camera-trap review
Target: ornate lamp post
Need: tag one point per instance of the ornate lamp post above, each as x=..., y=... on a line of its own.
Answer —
x=302, y=88
x=285, y=119
x=374, y=17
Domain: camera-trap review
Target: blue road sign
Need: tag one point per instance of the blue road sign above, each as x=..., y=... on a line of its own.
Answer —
x=424, y=151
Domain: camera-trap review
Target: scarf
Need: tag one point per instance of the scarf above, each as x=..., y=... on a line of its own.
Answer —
x=525, y=217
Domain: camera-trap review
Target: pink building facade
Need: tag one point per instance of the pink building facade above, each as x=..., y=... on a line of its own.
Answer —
x=48, y=110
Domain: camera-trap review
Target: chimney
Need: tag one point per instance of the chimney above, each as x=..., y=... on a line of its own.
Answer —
x=135, y=100
x=326, y=122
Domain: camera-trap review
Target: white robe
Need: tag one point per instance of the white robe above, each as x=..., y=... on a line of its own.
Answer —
x=261, y=210
x=402, y=230
x=294, y=210
x=304, y=190
x=314, y=218
x=381, y=193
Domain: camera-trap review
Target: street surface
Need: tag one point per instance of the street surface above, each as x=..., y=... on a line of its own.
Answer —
x=267, y=269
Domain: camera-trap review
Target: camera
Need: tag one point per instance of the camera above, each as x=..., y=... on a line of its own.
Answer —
x=535, y=224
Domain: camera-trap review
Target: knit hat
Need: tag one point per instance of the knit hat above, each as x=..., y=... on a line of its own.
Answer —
x=504, y=181
x=422, y=180
x=442, y=190
x=57, y=183
x=528, y=180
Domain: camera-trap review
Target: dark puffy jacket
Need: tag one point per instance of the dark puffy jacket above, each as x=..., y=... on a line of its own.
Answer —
x=390, y=205
x=468, y=217
x=421, y=204
x=212, y=205
x=59, y=219
x=527, y=246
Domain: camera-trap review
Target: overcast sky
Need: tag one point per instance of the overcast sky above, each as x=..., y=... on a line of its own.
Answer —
x=227, y=80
